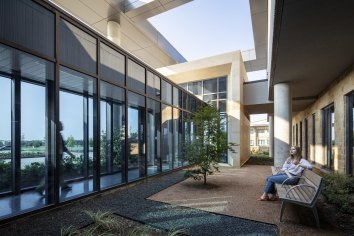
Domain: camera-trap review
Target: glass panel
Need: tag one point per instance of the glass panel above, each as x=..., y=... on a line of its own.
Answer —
x=210, y=86
x=177, y=138
x=222, y=106
x=176, y=96
x=209, y=97
x=185, y=100
x=136, y=76
x=222, y=96
x=153, y=85
x=166, y=92
x=112, y=65
x=195, y=87
x=222, y=84
x=34, y=25
x=5, y=138
x=184, y=85
x=77, y=92
x=136, y=139
x=112, y=151
x=32, y=134
x=153, y=135
x=186, y=135
x=77, y=47
x=166, y=138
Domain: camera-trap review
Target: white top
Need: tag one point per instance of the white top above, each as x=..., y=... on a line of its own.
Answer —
x=297, y=169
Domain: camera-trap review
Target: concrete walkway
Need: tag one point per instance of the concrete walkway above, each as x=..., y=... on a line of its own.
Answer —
x=234, y=192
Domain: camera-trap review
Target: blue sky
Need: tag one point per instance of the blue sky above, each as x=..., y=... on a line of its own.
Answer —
x=203, y=28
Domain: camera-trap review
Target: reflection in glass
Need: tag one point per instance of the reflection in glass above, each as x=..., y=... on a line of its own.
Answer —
x=77, y=92
x=166, y=94
x=112, y=65
x=177, y=138
x=153, y=85
x=5, y=135
x=136, y=139
x=210, y=86
x=166, y=138
x=177, y=97
x=24, y=148
x=32, y=140
x=136, y=76
x=153, y=135
x=112, y=149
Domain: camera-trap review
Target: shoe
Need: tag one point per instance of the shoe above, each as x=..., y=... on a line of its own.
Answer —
x=274, y=198
x=263, y=199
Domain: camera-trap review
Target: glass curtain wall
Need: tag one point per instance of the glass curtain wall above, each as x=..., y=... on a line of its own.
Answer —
x=53, y=126
x=112, y=140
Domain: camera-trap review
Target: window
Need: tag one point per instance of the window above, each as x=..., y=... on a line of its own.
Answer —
x=136, y=76
x=77, y=95
x=300, y=143
x=26, y=131
x=195, y=87
x=296, y=135
x=77, y=48
x=166, y=92
x=167, y=132
x=136, y=136
x=112, y=65
x=112, y=151
x=153, y=85
x=350, y=133
x=313, y=141
x=153, y=137
x=328, y=138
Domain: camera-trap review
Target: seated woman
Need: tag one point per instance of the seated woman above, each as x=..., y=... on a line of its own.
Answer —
x=293, y=166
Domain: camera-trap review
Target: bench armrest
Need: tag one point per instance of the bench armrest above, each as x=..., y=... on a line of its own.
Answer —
x=298, y=186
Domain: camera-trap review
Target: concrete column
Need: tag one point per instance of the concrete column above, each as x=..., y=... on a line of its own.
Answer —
x=282, y=122
x=271, y=135
x=114, y=32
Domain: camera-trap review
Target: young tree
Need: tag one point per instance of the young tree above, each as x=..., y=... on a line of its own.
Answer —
x=207, y=144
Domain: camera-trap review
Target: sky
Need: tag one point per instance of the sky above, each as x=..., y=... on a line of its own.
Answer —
x=203, y=28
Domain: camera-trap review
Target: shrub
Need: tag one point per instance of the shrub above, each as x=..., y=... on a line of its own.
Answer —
x=339, y=190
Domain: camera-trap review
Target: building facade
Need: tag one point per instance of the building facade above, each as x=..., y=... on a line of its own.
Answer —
x=219, y=81
x=78, y=110
x=259, y=136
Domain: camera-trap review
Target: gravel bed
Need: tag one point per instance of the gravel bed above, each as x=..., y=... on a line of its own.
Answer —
x=130, y=202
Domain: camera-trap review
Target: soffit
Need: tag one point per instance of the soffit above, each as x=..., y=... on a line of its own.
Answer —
x=315, y=45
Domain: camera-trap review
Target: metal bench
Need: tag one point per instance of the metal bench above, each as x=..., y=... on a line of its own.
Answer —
x=305, y=193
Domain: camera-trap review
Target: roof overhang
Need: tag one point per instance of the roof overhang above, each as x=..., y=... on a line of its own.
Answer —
x=312, y=46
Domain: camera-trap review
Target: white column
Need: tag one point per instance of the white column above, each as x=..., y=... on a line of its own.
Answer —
x=114, y=32
x=271, y=135
x=282, y=122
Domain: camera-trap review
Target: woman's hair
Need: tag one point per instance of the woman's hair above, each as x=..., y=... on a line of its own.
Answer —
x=297, y=157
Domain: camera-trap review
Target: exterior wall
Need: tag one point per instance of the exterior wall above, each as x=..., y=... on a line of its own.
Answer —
x=334, y=94
x=229, y=64
x=259, y=132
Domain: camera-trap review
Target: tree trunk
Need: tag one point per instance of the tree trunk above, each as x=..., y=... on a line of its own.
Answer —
x=205, y=178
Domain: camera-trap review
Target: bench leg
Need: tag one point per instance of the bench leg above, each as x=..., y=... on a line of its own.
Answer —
x=314, y=210
x=282, y=210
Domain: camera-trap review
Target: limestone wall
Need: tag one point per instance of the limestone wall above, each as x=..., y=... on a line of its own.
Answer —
x=335, y=94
